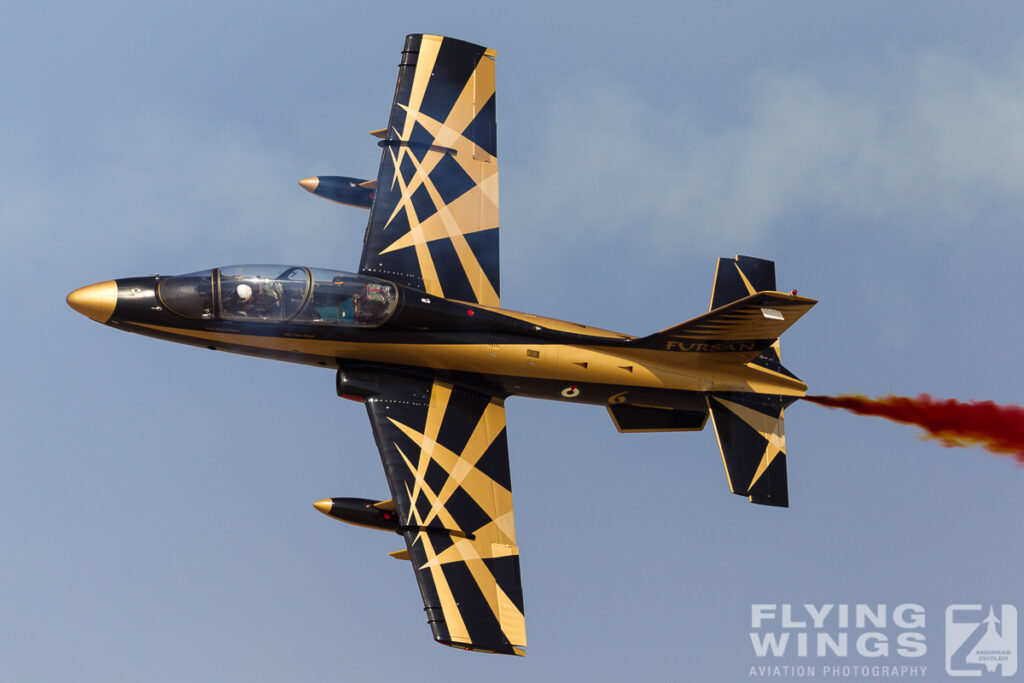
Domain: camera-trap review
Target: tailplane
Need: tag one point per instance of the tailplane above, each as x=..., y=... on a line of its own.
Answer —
x=752, y=439
x=750, y=324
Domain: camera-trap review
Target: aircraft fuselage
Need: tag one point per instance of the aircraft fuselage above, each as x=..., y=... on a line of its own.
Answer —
x=511, y=353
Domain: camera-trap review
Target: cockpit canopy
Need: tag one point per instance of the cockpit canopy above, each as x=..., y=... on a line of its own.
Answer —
x=266, y=293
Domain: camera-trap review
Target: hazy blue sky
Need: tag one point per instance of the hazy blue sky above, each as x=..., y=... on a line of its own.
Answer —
x=155, y=503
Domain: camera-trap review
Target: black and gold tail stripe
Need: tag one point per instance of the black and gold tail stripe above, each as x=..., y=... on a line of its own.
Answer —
x=751, y=437
x=446, y=461
x=434, y=221
x=741, y=276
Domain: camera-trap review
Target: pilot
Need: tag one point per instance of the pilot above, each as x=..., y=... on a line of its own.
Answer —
x=267, y=298
x=372, y=304
x=242, y=302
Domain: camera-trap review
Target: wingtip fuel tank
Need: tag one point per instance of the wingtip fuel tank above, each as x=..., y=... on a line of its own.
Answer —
x=360, y=512
x=341, y=189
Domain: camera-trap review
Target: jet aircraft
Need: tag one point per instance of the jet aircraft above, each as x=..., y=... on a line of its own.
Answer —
x=419, y=337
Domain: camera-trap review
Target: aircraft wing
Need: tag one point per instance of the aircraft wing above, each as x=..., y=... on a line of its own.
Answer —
x=446, y=459
x=434, y=220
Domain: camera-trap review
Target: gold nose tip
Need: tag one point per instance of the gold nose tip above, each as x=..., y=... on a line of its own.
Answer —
x=324, y=505
x=95, y=301
x=310, y=184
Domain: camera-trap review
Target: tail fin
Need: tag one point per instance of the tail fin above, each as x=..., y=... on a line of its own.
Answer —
x=750, y=427
x=746, y=319
x=752, y=439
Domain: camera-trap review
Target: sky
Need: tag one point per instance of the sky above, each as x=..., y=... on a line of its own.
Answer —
x=155, y=507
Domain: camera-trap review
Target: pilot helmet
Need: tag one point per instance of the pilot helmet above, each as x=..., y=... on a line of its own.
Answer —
x=244, y=292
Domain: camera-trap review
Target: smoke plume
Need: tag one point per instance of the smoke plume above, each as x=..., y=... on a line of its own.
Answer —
x=997, y=428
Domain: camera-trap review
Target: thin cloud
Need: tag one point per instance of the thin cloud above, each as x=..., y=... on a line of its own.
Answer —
x=934, y=138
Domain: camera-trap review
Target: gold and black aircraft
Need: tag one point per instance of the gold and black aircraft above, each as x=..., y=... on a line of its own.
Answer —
x=419, y=337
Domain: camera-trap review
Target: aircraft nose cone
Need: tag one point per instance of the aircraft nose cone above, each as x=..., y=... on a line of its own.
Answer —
x=95, y=301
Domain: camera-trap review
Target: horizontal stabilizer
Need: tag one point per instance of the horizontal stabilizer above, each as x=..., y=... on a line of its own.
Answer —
x=748, y=325
x=752, y=439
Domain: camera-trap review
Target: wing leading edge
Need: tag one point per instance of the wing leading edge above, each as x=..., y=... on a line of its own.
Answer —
x=445, y=454
x=434, y=220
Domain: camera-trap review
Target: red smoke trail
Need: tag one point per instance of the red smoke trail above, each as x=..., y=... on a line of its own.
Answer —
x=997, y=428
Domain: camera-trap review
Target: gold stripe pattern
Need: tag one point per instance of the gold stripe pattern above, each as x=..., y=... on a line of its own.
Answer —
x=770, y=428
x=496, y=538
x=472, y=211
